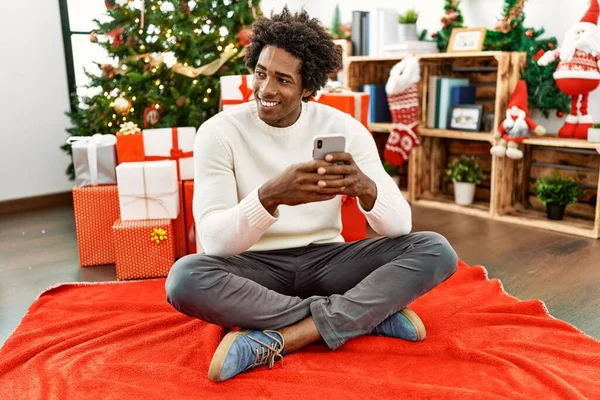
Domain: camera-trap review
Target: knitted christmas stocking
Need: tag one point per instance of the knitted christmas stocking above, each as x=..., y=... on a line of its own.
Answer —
x=404, y=108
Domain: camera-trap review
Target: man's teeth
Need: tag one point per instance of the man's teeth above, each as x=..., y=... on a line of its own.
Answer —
x=268, y=103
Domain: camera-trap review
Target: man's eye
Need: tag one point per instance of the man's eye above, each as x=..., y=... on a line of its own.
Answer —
x=281, y=80
x=260, y=74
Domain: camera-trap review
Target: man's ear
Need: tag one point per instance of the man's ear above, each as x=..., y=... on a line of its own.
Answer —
x=307, y=93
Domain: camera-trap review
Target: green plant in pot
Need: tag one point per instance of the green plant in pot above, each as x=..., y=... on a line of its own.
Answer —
x=594, y=133
x=407, y=28
x=556, y=193
x=465, y=174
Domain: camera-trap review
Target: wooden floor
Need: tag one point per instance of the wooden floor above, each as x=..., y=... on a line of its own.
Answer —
x=39, y=249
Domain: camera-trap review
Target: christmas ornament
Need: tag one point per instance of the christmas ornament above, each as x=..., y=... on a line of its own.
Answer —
x=117, y=36
x=151, y=116
x=185, y=8
x=529, y=33
x=110, y=4
x=434, y=34
x=180, y=102
x=108, y=71
x=578, y=72
x=129, y=128
x=550, y=45
x=93, y=37
x=122, y=105
x=244, y=36
x=517, y=125
x=560, y=114
x=403, y=100
x=539, y=54
x=167, y=7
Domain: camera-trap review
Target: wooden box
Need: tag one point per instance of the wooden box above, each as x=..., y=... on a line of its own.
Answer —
x=516, y=201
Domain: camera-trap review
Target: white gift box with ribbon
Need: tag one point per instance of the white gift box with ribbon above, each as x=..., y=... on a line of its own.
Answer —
x=148, y=190
x=94, y=159
x=174, y=144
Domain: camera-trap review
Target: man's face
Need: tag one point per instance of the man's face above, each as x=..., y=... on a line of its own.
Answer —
x=277, y=87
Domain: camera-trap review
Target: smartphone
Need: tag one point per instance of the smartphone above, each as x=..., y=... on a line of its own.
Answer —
x=324, y=145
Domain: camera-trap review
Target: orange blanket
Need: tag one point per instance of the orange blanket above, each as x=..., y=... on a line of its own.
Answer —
x=123, y=341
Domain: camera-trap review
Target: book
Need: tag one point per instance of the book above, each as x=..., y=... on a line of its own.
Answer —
x=379, y=110
x=443, y=90
x=431, y=101
x=462, y=95
x=360, y=33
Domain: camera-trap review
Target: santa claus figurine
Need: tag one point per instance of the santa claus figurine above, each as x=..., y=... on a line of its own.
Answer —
x=578, y=72
x=516, y=126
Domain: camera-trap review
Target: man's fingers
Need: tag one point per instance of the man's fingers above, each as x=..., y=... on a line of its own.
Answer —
x=344, y=157
x=336, y=183
x=336, y=170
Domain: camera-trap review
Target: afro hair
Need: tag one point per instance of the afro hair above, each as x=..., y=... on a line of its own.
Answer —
x=303, y=37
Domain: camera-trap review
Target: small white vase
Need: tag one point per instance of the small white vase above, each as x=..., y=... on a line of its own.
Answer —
x=464, y=193
x=594, y=135
x=407, y=32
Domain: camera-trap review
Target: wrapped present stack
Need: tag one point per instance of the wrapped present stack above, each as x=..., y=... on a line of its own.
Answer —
x=129, y=198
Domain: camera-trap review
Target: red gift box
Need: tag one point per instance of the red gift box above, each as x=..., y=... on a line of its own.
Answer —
x=143, y=248
x=96, y=210
x=190, y=228
x=354, y=222
x=235, y=89
x=130, y=148
x=353, y=103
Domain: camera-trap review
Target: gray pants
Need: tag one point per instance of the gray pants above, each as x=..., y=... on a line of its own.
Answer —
x=348, y=288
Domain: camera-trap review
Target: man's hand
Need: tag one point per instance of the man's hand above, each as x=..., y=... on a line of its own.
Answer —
x=353, y=182
x=298, y=184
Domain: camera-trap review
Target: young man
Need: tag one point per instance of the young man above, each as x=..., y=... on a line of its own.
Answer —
x=269, y=218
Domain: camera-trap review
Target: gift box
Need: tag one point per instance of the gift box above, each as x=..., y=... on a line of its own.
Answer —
x=130, y=144
x=353, y=103
x=148, y=190
x=96, y=210
x=235, y=89
x=143, y=249
x=94, y=159
x=190, y=224
x=354, y=222
x=179, y=227
x=172, y=144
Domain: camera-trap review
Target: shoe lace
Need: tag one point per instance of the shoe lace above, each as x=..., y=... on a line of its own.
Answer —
x=268, y=353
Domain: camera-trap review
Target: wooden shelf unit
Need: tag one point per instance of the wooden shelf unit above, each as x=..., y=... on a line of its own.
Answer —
x=508, y=190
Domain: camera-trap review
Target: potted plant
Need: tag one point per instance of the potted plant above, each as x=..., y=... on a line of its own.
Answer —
x=556, y=193
x=594, y=133
x=392, y=171
x=407, y=28
x=465, y=174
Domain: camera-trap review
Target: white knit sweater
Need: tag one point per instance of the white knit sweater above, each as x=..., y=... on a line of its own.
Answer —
x=235, y=153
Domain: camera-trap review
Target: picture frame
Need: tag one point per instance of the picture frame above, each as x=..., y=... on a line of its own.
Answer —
x=465, y=117
x=466, y=39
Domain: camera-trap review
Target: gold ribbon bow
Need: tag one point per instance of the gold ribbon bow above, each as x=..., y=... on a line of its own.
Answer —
x=158, y=235
x=129, y=128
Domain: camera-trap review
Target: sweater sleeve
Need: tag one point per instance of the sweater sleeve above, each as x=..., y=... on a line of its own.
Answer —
x=226, y=226
x=391, y=215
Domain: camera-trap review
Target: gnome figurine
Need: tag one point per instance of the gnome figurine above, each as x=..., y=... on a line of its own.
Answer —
x=578, y=72
x=517, y=125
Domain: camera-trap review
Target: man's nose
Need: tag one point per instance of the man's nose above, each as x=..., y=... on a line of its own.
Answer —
x=268, y=86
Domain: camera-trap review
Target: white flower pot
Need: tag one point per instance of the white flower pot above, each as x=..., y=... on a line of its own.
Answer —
x=407, y=32
x=594, y=135
x=464, y=193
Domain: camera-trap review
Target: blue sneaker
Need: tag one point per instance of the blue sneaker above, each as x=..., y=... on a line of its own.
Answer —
x=242, y=350
x=404, y=324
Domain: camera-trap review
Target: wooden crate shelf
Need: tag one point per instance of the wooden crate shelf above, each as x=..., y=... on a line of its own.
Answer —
x=508, y=190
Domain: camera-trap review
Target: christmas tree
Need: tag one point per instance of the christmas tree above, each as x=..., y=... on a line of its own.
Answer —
x=510, y=34
x=168, y=57
x=336, y=26
x=452, y=19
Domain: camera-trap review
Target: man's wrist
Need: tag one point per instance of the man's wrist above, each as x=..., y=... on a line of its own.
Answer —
x=268, y=201
x=369, y=196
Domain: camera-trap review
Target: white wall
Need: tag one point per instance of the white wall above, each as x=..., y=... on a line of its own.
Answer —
x=33, y=99
x=34, y=93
